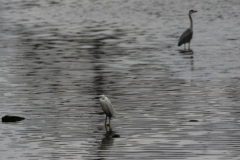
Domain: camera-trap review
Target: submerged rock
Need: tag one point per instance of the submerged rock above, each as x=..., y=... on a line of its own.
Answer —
x=8, y=118
x=193, y=120
x=116, y=136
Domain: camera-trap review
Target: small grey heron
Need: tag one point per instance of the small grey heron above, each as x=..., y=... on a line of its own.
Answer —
x=107, y=108
x=187, y=35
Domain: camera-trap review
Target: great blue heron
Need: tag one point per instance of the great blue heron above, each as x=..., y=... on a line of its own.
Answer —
x=107, y=108
x=187, y=35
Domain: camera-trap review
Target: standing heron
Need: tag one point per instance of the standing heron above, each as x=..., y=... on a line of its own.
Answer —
x=187, y=35
x=107, y=108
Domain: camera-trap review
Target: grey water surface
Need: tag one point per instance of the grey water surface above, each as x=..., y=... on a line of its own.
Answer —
x=58, y=56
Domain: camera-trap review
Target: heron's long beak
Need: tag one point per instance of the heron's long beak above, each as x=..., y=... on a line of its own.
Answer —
x=195, y=10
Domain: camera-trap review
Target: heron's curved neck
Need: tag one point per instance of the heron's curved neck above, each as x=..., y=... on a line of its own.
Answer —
x=191, y=22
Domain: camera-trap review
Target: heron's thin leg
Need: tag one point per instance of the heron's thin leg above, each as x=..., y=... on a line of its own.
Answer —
x=106, y=128
x=106, y=120
x=189, y=46
x=184, y=46
x=109, y=120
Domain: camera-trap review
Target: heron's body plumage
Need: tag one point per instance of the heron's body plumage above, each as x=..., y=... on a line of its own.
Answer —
x=185, y=37
x=107, y=107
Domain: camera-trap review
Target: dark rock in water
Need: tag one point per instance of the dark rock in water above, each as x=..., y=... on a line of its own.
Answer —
x=193, y=120
x=115, y=136
x=12, y=118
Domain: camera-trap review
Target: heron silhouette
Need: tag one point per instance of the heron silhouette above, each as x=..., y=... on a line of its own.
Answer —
x=186, y=37
x=107, y=108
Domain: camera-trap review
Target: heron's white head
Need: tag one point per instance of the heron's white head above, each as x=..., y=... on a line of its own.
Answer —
x=192, y=11
x=102, y=96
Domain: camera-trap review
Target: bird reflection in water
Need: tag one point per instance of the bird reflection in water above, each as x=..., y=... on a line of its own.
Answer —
x=108, y=138
x=188, y=54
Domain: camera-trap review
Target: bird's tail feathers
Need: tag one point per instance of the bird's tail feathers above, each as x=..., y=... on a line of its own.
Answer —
x=114, y=111
x=179, y=44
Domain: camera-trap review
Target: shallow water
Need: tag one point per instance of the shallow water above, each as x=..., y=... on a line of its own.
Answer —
x=56, y=57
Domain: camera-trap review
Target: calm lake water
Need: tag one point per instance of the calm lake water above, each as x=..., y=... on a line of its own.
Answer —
x=57, y=57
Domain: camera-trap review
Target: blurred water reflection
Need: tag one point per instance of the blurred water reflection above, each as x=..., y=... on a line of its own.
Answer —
x=58, y=56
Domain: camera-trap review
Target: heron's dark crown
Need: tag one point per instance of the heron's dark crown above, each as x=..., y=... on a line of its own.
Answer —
x=192, y=11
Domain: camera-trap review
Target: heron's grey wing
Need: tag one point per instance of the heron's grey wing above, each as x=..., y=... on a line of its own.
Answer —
x=109, y=106
x=185, y=37
x=104, y=106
